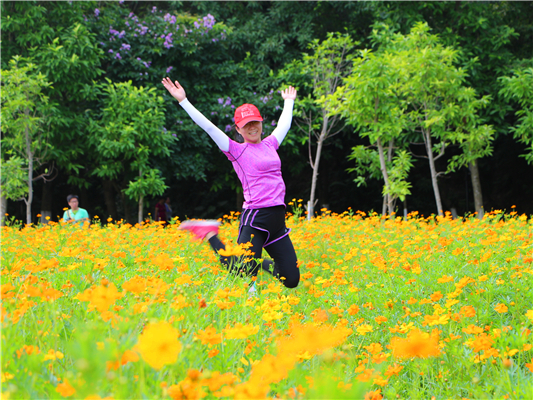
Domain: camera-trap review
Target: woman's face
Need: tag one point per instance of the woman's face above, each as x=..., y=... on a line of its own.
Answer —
x=251, y=132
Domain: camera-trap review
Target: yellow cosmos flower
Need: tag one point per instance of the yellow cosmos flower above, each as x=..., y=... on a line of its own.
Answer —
x=240, y=331
x=6, y=376
x=53, y=355
x=364, y=329
x=159, y=344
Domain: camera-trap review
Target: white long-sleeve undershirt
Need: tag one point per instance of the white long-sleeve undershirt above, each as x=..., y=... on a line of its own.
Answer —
x=222, y=140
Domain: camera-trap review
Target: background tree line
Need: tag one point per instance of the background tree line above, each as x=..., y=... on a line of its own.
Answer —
x=423, y=106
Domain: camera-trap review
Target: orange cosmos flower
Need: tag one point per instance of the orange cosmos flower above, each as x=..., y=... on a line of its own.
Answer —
x=213, y=353
x=164, y=262
x=209, y=336
x=374, y=348
x=225, y=305
x=417, y=344
x=237, y=250
x=354, y=309
x=436, y=296
x=473, y=329
x=379, y=358
x=482, y=342
x=136, y=285
x=202, y=303
x=336, y=310
x=380, y=381
x=366, y=375
x=501, y=308
x=393, y=370
x=319, y=315
x=468, y=311
x=159, y=345
x=445, y=279
x=64, y=389
x=100, y=297
x=373, y=395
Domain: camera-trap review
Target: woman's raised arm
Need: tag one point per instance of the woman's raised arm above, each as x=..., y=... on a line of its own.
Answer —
x=285, y=120
x=177, y=91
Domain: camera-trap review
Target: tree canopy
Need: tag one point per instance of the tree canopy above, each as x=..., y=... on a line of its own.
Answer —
x=427, y=77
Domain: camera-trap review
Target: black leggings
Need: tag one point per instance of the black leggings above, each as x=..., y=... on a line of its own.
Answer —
x=266, y=228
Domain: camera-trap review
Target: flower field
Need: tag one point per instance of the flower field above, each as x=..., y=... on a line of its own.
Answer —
x=386, y=308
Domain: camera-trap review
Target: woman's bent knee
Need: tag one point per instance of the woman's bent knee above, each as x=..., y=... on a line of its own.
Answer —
x=291, y=281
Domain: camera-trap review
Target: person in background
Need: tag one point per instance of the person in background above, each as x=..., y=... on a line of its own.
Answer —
x=75, y=214
x=160, y=211
x=168, y=209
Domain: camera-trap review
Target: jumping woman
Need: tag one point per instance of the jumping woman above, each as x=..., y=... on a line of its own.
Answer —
x=258, y=167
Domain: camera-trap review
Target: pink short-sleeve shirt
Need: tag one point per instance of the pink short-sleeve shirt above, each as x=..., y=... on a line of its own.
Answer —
x=258, y=167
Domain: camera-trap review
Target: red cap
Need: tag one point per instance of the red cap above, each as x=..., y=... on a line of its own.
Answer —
x=245, y=114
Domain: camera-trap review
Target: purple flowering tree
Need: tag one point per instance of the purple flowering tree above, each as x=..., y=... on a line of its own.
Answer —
x=145, y=47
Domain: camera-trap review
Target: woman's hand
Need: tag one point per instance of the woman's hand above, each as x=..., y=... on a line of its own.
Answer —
x=289, y=93
x=175, y=89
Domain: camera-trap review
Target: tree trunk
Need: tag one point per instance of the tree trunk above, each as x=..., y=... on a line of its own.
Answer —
x=46, y=202
x=141, y=205
x=315, y=164
x=311, y=203
x=384, y=172
x=427, y=140
x=3, y=209
x=476, y=186
x=109, y=197
x=391, y=201
x=29, y=154
x=141, y=201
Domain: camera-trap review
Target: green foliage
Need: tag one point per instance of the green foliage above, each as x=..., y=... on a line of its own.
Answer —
x=371, y=101
x=143, y=44
x=399, y=170
x=149, y=183
x=321, y=71
x=128, y=131
x=70, y=43
x=366, y=163
x=28, y=25
x=25, y=118
x=53, y=34
x=24, y=106
x=14, y=178
x=440, y=105
x=318, y=74
x=519, y=88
